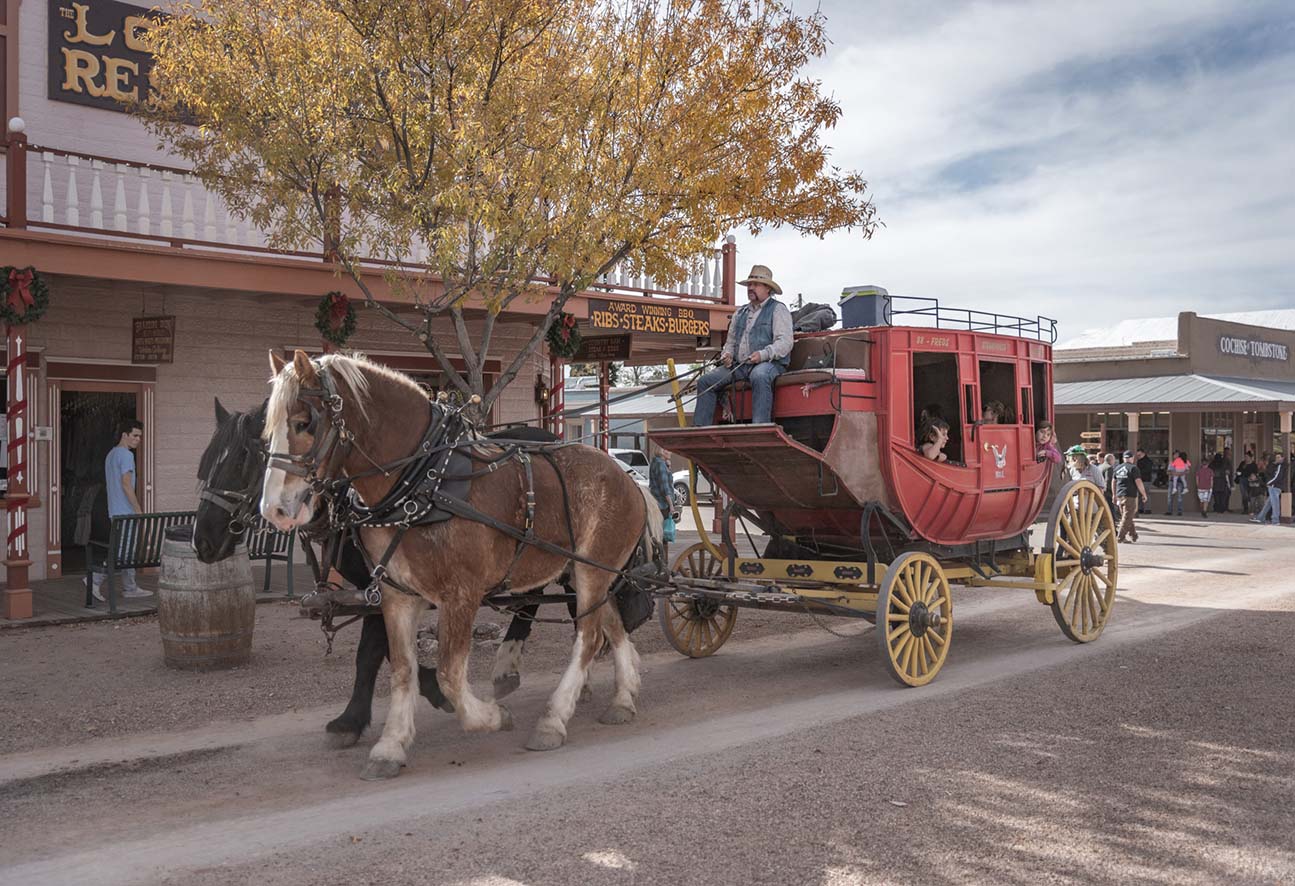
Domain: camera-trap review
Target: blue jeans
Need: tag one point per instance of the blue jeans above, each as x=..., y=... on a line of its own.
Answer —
x=761, y=376
x=1273, y=506
x=1177, y=489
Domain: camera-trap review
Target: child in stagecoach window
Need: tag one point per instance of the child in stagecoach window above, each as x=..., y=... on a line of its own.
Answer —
x=1046, y=444
x=993, y=413
x=935, y=435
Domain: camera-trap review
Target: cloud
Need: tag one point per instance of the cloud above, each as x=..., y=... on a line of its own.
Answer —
x=1089, y=162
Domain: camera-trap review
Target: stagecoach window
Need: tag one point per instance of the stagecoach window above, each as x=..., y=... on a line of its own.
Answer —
x=935, y=394
x=1039, y=381
x=998, y=385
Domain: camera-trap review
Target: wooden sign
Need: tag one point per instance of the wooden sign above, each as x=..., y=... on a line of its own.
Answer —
x=1090, y=435
x=604, y=348
x=152, y=340
x=659, y=319
x=96, y=54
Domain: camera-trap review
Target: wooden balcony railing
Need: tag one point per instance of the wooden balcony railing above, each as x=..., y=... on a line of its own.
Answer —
x=103, y=197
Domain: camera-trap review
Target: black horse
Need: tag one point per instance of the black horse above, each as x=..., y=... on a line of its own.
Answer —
x=231, y=472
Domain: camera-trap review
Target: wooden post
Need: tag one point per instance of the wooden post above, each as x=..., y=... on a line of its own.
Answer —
x=17, y=596
x=604, y=416
x=557, y=398
x=729, y=280
x=16, y=178
x=1134, y=422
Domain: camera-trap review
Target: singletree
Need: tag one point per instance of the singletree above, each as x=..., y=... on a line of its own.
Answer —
x=496, y=150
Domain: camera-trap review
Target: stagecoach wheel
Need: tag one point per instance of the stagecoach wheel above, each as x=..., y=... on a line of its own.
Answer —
x=914, y=618
x=696, y=628
x=1085, y=560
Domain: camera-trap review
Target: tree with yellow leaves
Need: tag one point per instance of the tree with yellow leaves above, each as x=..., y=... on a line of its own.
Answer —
x=525, y=147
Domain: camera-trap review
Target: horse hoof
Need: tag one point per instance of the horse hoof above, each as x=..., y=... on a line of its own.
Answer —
x=379, y=770
x=506, y=684
x=505, y=719
x=586, y=693
x=341, y=740
x=444, y=705
x=616, y=716
x=545, y=740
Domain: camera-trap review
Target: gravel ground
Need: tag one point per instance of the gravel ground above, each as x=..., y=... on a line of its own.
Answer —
x=1072, y=775
x=74, y=683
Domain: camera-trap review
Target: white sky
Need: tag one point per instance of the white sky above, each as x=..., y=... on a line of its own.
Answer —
x=1086, y=161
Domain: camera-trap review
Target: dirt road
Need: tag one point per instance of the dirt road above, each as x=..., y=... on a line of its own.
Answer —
x=1161, y=753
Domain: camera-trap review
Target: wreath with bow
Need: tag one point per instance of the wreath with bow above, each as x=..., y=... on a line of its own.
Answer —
x=24, y=295
x=335, y=318
x=563, y=337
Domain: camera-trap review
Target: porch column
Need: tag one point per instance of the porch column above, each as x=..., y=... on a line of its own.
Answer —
x=17, y=596
x=1284, y=427
x=16, y=170
x=729, y=280
x=1133, y=419
x=604, y=413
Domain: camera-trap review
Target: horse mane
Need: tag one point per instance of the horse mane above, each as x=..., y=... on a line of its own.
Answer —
x=349, y=368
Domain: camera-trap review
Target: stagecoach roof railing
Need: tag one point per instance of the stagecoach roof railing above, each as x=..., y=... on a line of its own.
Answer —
x=1040, y=328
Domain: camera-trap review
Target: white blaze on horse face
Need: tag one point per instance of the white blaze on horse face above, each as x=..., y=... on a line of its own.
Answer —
x=285, y=498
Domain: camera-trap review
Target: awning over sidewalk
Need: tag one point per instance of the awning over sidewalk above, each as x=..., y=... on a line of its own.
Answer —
x=1175, y=392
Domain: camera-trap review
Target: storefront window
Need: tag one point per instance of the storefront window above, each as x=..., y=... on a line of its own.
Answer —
x=1216, y=432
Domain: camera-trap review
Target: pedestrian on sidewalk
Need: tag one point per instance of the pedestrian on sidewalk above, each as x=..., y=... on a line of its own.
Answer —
x=1276, y=485
x=1082, y=469
x=1147, y=468
x=1246, y=475
x=1179, y=469
x=1223, y=474
x=1205, y=485
x=119, y=476
x=662, y=488
x=1128, y=490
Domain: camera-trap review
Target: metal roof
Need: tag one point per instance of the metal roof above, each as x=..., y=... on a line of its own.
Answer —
x=1199, y=391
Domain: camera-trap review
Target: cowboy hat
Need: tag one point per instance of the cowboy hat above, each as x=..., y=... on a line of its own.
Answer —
x=761, y=274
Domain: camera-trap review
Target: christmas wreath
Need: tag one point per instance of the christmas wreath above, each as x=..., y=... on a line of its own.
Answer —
x=335, y=318
x=24, y=296
x=563, y=337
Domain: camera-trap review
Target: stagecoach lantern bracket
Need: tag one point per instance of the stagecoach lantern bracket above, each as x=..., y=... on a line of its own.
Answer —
x=873, y=306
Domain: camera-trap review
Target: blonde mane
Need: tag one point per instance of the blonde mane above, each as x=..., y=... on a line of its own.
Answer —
x=348, y=368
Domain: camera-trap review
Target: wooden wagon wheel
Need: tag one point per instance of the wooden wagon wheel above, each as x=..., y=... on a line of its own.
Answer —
x=697, y=628
x=914, y=618
x=1086, y=559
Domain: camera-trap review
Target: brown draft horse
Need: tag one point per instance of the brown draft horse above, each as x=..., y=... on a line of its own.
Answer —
x=454, y=564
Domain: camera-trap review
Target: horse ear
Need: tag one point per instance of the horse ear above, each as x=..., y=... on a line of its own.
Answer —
x=276, y=362
x=222, y=414
x=305, y=369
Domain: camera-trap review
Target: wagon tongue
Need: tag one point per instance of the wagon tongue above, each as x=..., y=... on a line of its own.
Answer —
x=759, y=466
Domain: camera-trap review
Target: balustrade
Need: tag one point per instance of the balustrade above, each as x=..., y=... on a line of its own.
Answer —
x=71, y=190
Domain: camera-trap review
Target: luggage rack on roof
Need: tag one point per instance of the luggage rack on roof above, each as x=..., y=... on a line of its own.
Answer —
x=1040, y=328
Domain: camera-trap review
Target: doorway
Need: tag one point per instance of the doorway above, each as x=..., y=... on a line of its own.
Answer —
x=88, y=423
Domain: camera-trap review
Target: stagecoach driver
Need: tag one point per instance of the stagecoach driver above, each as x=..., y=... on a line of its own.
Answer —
x=759, y=342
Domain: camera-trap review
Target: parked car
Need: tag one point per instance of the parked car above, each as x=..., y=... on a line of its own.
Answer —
x=634, y=459
x=705, y=491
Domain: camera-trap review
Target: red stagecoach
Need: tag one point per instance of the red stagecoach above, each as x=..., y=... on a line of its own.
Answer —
x=860, y=523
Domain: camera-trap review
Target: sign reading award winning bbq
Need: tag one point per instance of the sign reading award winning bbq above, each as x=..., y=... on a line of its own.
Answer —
x=629, y=316
x=96, y=54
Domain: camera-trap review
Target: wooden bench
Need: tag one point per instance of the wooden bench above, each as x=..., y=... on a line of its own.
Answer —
x=137, y=540
x=134, y=542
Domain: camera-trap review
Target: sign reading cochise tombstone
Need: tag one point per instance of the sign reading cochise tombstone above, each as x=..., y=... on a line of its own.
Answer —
x=96, y=54
x=629, y=316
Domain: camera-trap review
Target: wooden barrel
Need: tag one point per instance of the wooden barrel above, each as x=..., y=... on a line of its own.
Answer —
x=206, y=610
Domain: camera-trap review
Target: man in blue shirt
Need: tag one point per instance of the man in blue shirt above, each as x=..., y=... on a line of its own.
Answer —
x=119, y=477
x=759, y=343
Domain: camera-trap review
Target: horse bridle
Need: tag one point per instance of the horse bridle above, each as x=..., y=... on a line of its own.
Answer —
x=325, y=448
x=243, y=504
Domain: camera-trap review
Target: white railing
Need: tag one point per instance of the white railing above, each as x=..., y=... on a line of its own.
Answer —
x=110, y=198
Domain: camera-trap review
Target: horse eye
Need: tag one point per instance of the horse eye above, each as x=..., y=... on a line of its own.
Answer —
x=299, y=426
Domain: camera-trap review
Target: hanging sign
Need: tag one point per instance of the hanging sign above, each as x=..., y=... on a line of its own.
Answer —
x=96, y=54
x=152, y=340
x=660, y=319
x=603, y=348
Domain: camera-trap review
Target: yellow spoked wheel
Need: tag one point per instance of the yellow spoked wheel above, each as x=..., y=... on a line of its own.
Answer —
x=697, y=628
x=914, y=618
x=1085, y=560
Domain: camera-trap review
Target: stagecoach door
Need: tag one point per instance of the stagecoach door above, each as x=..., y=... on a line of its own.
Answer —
x=1000, y=462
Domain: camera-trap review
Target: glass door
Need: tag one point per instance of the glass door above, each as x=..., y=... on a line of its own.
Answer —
x=88, y=427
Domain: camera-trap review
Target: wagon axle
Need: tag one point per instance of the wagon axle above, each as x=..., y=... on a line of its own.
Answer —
x=921, y=619
x=1090, y=560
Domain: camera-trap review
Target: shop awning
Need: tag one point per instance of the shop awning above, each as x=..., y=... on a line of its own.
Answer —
x=1175, y=393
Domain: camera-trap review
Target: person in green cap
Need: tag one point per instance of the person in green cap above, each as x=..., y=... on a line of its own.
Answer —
x=1081, y=468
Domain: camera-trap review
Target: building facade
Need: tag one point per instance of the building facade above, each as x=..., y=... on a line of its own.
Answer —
x=161, y=299
x=1197, y=384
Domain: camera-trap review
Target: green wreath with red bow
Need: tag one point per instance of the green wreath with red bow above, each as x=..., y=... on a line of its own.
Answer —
x=24, y=295
x=335, y=318
x=563, y=336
